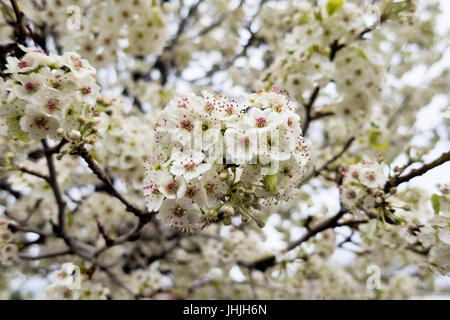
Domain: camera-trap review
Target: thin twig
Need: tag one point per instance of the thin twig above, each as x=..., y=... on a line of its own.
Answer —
x=394, y=182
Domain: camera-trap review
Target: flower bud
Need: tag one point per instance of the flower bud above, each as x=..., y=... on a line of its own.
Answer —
x=60, y=131
x=244, y=218
x=393, y=190
x=82, y=119
x=379, y=193
x=9, y=155
x=96, y=121
x=228, y=210
x=74, y=135
x=92, y=139
x=223, y=176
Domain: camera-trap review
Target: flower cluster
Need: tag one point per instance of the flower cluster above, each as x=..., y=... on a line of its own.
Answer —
x=146, y=281
x=213, y=153
x=362, y=184
x=46, y=95
x=8, y=250
x=320, y=47
x=99, y=208
x=436, y=235
x=99, y=30
x=67, y=284
x=124, y=144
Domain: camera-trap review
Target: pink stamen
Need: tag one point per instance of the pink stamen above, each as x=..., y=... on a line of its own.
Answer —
x=52, y=104
x=30, y=86
x=172, y=187
x=190, y=166
x=244, y=141
x=22, y=64
x=351, y=195
x=261, y=122
x=187, y=125
x=86, y=90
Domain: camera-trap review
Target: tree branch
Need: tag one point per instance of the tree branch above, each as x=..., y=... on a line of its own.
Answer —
x=267, y=262
x=47, y=255
x=55, y=188
x=394, y=182
x=108, y=183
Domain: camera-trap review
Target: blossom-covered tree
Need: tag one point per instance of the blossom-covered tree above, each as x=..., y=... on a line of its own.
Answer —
x=223, y=149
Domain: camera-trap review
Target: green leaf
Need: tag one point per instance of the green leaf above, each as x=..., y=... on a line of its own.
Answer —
x=435, y=202
x=271, y=182
x=375, y=143
x=334, y=6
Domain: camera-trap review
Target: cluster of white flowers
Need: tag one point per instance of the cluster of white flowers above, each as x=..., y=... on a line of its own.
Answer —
x=362, y=184
x=8, y=250
x=261, y=141
x=46, y=95
x=321, y=47
x=102, y=208
x=125, y=144
x=98, y=30
x=146, y=281
x=436, y=235
x=68, y=284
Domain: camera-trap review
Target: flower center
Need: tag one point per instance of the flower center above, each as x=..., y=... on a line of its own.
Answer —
x=261, y=122
x=351, y=195
x=370, y=176
x=23, y=64
x=192, y=191
x=187, y=125
x=244, y=141
x=86, y=90
x=190, y=166
x=30, y=86
x=172, y=187
x=52, y=104
x=210, y=186
x=229, y=109
x=209, y=107
x=178, y=211
x=41, y=123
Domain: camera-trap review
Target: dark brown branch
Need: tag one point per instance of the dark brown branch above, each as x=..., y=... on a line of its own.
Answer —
x=394, y=182
x=55, y=188
x=34, y=173
x=20, y=228
x=184, y=22
x=310, y=115
x=22, y=32
x=131, y=236
x=47, y=255
x=269, y=261
x=326, y=165
x=322, y=226
x=308, y=110
x=4, y=185
x=108, y=183
x=251, y=40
